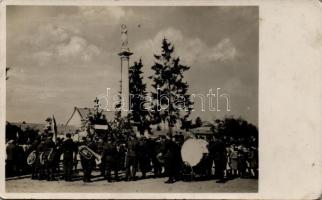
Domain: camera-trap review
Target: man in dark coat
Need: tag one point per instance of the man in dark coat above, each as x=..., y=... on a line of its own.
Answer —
x=143, y=156
x=100, y=145
x=131, y=158
x=11, y=158
x=39, y=162
x=88, y=164
x=172, y=160
x=109, y=158
x=50, y=149
x=153, y=150
x=69, y=149
x=220, y=159
x=34, y=167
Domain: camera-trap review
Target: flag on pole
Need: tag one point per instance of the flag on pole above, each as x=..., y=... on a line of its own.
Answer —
x=54, y=129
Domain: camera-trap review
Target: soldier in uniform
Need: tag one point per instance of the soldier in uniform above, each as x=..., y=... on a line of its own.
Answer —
x=172, y=160
x=11, y=158
x=131, y=158
x=39, y=165
x=155, y=148
x=49, y=148
x=220, y=159
x=88, y=164
x=109, y=156
x=69, y=149
x=143, y=157
x=100, y=145
x=34, y=167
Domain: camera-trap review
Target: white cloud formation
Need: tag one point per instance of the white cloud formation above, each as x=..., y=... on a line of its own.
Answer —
x=50, y=34
x=108, y=13
x=61, y=44
x=77, y=47
x=190, y=50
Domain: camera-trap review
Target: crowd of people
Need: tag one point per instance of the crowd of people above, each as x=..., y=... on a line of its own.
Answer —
x=129, y=158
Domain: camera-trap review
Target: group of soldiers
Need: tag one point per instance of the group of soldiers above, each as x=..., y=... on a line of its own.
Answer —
x=110, y=154
x=127, y=153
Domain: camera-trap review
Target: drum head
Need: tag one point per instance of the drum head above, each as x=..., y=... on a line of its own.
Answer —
x=193, y=150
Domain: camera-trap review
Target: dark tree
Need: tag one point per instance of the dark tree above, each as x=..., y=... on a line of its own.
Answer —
x=138, y=94
x=171, y=91
x=118, y=105
x=236, y=128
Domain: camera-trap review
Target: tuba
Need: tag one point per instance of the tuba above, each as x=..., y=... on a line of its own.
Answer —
x=31, y=159
x=89, y=154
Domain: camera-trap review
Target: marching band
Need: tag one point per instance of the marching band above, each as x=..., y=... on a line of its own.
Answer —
x=125, y=155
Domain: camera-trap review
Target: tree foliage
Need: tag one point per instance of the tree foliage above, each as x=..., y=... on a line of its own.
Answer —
x=170, y=89
x=236, y=128
x=137, y=89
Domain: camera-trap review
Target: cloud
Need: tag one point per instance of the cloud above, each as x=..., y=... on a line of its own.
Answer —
x=77, y=47
x=107, y=13
x=56, y=43
x=190, y=50
x=223, y=51
x=48, y=34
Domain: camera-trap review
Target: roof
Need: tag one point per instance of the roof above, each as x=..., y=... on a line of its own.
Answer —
x=205, y=129
x=61, y=129
x=84, y=111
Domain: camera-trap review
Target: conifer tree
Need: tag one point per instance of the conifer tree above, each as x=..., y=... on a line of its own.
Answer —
x=138, y=93
x=168, y=81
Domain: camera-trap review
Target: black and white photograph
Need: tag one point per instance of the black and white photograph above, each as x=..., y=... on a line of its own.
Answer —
x=132, y=99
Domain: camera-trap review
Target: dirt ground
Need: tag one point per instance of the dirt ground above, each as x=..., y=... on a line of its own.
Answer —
x=149, y=185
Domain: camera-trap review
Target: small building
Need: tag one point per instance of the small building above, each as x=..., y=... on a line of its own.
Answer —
x=80, y=114
x=206, y=129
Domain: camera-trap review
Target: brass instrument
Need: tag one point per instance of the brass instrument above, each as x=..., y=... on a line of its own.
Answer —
x=88, y=154
x=46, y=156
x=31, y=159
x=51, y=155
x=42, y=158
x=161, y=158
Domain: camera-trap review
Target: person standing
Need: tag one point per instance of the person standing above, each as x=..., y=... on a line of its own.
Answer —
x=100, y=145
x=234, y=161
x=88, y=164
x=109, y=156
x=40, y=161
x=49, y=149
x=172, y=160
x=131, y=158
x=143, y=158
x=11, y=158
x=69, y=150
x=220, y=159
x=34, y=167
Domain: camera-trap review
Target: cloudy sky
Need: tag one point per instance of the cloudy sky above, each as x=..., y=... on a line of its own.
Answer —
x=61, y=57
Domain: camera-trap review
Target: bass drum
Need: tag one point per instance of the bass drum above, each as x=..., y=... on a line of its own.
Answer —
x=193, y=151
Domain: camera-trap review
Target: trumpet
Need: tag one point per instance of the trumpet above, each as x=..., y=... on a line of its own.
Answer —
x=88, y=154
